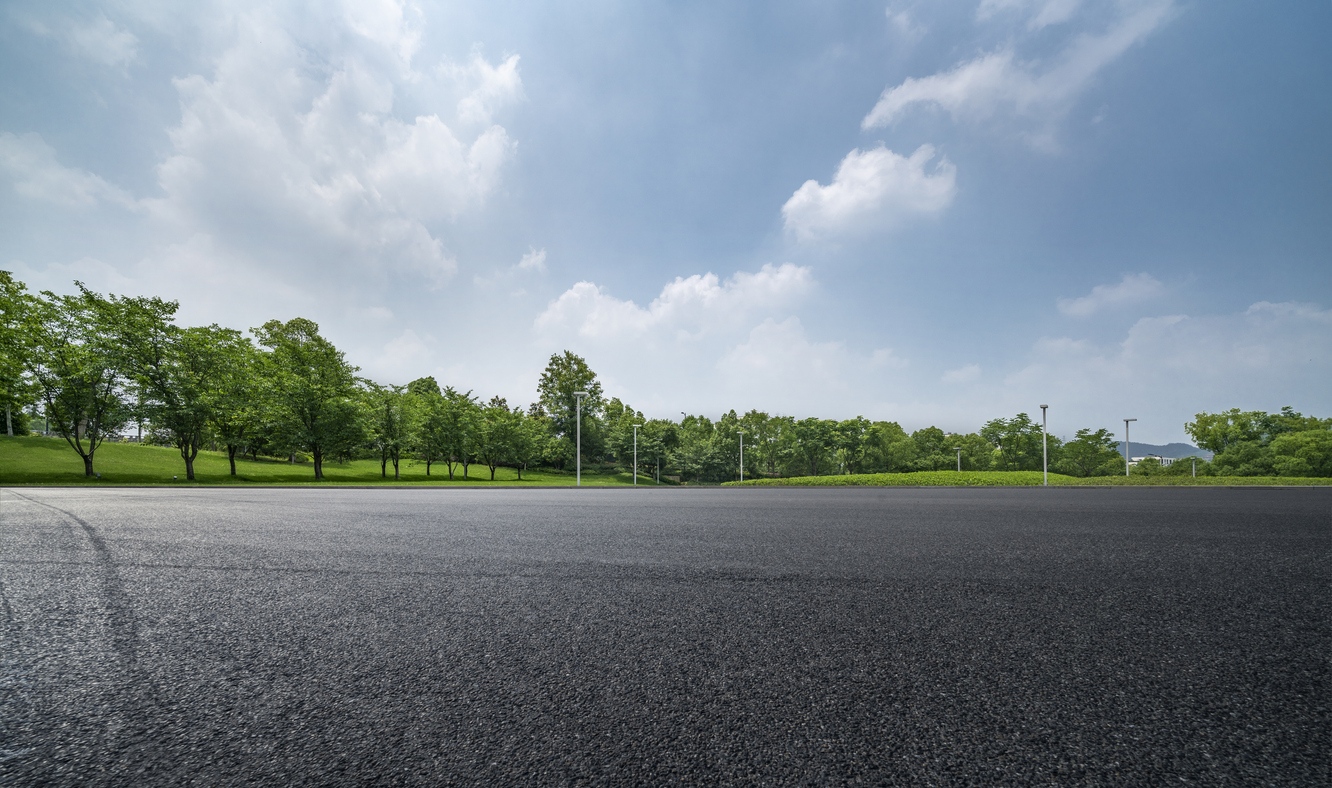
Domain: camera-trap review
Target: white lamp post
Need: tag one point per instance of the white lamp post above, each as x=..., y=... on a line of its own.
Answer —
x=578, y=457
x=1126, y=446
x=742, y=454
x=958, y=449
x=1045, y=451
x=636, y=426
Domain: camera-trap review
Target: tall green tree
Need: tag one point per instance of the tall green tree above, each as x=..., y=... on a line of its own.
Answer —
x=16, y=389
x=1091, y=453
x=74, y=366
x=566, y=373
x=501, y=433
x=181, y=373
x=815, y=440
x=312, y=390
x=392, y=424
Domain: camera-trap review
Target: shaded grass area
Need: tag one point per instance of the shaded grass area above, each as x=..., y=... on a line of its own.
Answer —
x=39, y=460
x=1022, y=479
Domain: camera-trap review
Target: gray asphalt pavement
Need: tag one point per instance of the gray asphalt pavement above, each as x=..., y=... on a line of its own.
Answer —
x=655, y=637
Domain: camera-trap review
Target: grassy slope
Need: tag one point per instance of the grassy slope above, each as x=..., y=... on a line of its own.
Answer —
x=1020, y=478
x=36, y=460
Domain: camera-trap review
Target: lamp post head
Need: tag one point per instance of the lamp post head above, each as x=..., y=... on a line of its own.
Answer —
x=580, y=393
x=1127, y=420
x=1043, y=407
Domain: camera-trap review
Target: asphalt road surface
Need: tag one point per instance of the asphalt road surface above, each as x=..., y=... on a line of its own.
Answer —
x=655, y=637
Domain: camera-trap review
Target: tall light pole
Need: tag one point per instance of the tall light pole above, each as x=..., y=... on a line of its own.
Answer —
x=1045, y=450
x=1126, y=446
x=958, y=449
x=636, y=426
x=742, y=454
x=578, y=456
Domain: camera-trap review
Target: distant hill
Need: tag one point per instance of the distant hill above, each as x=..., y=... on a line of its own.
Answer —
x=1175, y=450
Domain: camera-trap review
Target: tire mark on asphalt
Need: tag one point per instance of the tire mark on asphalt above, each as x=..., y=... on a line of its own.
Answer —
x=122, y=622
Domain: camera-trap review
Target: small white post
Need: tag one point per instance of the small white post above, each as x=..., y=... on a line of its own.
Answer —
x=1045, y=450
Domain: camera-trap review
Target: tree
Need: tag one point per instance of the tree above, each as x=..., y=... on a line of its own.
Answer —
x=432, y=437
x=392, y=424
x=815, y=439
x=1091, y=454
x=424, y=387
x=564, y=374
x=238, y=414
x=74, y=367
x=1217, y=432
x=1018, y=440
x=501, y=432
x=460, y=428
x=311, y=387
x=16, y=390
x=182, y=375
x=1303, y=453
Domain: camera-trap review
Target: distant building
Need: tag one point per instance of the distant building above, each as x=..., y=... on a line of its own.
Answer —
x=1163, y=460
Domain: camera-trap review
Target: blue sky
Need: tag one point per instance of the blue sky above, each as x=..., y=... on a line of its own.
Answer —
x=935, y=213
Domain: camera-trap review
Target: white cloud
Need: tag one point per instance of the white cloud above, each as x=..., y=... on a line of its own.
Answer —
x=904, y=23
x=493, y=87
x=1170, y=367
x=967, y=374
x=97, y=39
x=980, y=89
x=534, y=260
x=691, y=307
x=282, y=146
x=872, y=189
x=1132, y=289
x=31, y=166
x=1039, y=13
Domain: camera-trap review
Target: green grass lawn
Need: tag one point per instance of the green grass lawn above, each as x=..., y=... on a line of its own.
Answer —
x=1020, y=478
x=37, y=460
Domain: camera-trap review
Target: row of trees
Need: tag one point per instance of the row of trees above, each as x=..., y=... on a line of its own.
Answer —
x=95, y=365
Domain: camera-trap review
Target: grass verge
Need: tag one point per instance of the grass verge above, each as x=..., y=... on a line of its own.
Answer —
x=39, y=460
x=1022, y=479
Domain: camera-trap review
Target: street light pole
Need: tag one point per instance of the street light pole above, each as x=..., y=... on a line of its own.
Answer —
x=578, y=456
x=958, y=449
x=1126, y=446
x=1045, y=450
x=636, y=426
x=742, y=454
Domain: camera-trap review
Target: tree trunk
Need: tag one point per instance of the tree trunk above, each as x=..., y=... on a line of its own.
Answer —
x=318, y=457
x=231, y=455
x=189, y=465
x=395, y=467
x=383, y=465
x=428, y=467
x=492, y=473
x=9, y=424
x=520, y=473
x=87, y=465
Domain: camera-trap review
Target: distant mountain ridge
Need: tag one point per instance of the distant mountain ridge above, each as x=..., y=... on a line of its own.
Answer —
x=1175, y=450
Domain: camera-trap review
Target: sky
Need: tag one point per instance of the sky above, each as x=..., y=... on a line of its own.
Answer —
x=932, y=213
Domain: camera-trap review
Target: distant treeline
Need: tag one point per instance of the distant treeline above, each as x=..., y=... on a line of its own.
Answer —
x=89, y=367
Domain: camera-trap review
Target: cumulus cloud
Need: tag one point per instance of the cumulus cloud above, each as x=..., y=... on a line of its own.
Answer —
x=999, y=82
x=282, y=144
x=687, y=307
x=1169, y=367
x=492, y=87
x=31, y=166
x=872, y=189
x=1132, y=289
x=534, y=260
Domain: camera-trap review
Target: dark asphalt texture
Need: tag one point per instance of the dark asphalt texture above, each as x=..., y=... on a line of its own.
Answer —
x=654, y=637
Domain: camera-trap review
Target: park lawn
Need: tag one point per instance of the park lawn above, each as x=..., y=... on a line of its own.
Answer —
x=1020, y=479
x=40, y=460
